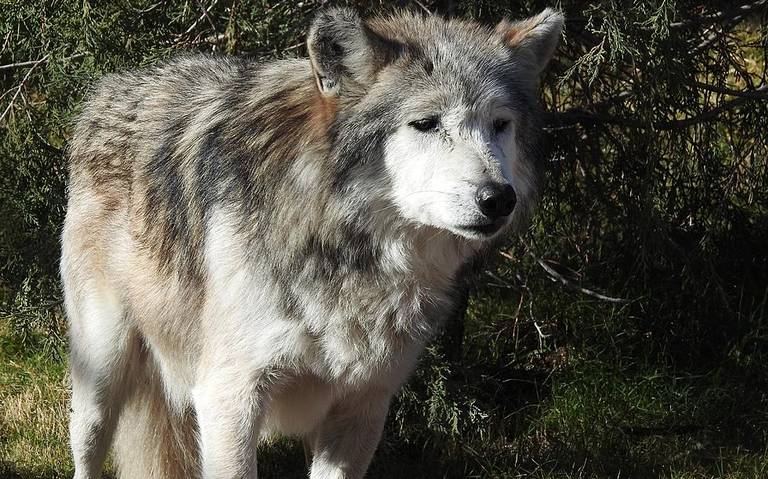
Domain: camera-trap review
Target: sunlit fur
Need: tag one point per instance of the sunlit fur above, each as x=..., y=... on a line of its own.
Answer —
x=265, y=248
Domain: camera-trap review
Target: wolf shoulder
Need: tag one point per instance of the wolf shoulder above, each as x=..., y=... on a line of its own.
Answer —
x=158, y=99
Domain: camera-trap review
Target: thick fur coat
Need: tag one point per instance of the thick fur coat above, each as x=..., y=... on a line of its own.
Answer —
x=265, y=248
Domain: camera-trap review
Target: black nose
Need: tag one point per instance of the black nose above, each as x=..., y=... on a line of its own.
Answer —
x=496, y=200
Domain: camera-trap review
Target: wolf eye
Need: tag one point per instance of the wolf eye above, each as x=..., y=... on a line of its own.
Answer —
x=426, y=125
x=499, y=126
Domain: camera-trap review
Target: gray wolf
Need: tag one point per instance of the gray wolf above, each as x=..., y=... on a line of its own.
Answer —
x=265, y=248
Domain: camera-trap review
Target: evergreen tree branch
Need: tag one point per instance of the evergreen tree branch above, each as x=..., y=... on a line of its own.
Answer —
x=581, y=116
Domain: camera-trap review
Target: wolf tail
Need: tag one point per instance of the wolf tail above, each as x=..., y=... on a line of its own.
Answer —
x=153, y=441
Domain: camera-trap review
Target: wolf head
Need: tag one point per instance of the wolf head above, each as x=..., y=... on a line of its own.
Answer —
x=445, y=110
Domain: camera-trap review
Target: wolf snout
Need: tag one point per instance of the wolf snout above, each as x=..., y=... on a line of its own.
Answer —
x=495, y=200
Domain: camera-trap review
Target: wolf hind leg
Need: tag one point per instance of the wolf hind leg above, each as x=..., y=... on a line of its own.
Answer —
x=102, y=348
x=154, y=438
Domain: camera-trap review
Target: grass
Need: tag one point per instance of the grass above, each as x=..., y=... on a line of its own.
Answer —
x=33, y=409
x=576, y=395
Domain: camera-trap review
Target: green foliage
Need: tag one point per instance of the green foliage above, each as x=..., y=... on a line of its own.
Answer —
x=657, y=195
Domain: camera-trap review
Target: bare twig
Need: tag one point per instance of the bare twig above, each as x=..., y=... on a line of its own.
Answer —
x=423, y=7
x=21, y=85
x=36, y=62
x=755, y=94
x=200, y=19
x=19, y=64
x=211, y=40
x=720, y=16
x=716, y=33
x=293, y=47
x=151, y=7
x=5, y=42
x=580, y=115
x=555, y=275
x=709, y=114
x=542, y=336
x=205, y=13
x=565, y=281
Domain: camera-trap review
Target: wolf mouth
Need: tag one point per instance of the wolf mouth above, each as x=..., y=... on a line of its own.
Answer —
x=484, y=229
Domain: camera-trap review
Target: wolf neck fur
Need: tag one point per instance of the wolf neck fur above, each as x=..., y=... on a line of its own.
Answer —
x=374, y=239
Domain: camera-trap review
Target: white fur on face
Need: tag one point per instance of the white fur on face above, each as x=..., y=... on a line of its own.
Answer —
x=436, y=174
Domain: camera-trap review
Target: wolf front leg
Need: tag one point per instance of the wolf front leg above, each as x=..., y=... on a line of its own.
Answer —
x=229, y=405
x=344, y=443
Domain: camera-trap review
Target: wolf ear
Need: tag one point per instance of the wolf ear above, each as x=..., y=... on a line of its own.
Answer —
x=537, y=36
x=342, y=47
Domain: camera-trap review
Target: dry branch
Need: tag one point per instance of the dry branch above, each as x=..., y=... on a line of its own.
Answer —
x=21, y=85
x=36, y=62
x=721, y=16
x=575, y=116
x=568, y=283
x=199, y=19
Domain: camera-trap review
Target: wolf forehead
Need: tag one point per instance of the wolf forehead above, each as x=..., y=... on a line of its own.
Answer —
x=466, y=60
